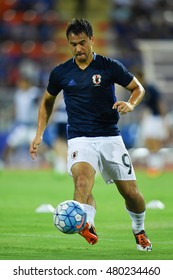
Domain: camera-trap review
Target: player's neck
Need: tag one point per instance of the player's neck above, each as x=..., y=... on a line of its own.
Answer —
x=84, y=64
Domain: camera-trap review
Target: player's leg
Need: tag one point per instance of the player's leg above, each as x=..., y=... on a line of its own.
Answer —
x=82, y=165
x=115, y=165
x=133, y=198
x=83, y=175
x=135, y=206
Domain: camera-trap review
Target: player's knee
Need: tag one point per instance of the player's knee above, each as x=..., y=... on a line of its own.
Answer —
x=133, y=195
x=81, y=183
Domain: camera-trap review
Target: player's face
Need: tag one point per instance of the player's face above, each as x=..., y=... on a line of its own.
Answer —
x=81, y=47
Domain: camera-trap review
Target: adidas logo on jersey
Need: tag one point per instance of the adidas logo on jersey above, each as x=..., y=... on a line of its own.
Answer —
x=72, y=83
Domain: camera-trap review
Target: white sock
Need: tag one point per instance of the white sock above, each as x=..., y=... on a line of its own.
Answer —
x=60, y=165
x=90, y=211
x=137, y=221
x=156, y=161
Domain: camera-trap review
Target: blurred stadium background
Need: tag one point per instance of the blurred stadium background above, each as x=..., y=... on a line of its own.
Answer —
x=32, y=41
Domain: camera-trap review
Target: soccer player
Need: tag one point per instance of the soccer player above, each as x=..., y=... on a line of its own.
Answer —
x=94, y=140
x=154, y=127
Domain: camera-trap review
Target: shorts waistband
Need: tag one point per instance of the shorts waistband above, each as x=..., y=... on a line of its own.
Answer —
x=94, y=139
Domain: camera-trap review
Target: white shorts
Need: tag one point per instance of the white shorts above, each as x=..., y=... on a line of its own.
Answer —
x=21, y=135
x=106, y=154
x=154, y=127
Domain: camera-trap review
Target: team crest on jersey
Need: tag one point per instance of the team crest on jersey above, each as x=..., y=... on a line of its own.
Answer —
x=74, y=155
x=96, y=79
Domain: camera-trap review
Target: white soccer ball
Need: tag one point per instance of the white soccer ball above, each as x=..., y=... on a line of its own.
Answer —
x=69, y=217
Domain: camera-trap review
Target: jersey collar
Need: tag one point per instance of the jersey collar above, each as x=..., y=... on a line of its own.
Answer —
x=94, y=57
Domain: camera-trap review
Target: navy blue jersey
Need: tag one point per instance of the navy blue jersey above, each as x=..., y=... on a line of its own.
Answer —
x=89, y=95
x=152, y=99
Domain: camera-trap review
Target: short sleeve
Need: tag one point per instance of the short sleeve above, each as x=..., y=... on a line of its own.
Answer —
x=120, y=74
x=54, y=85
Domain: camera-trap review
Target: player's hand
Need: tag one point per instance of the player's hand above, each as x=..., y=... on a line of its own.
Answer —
x=123, y=107
x=34, y=147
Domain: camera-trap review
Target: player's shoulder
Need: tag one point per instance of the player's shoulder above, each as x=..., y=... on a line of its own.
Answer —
x=60, y=68
x=108, y=60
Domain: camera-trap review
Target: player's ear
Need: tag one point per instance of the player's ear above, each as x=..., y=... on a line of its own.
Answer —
x=92, y=40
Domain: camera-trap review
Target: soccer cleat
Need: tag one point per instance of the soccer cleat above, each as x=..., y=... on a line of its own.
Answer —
x=89, y=233
x=142, y=241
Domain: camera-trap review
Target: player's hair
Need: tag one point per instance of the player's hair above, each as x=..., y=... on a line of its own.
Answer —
x=78, y=26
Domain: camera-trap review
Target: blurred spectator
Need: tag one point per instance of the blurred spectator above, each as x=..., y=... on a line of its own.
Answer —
x=81, y=8
x=169, y=120
x=140, y=19
x=39, y=5
x=27, y=31
x=26, y=99
x=154, y=127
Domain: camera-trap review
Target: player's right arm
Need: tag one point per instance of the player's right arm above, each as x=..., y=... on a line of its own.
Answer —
x=45, y=111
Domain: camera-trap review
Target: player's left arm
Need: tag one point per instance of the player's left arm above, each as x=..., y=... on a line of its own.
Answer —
x=137, y=93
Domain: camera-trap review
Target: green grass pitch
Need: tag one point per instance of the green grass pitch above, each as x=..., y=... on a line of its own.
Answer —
x=27, y=235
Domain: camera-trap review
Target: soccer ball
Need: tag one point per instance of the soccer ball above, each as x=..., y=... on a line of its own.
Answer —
x=69, y=217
